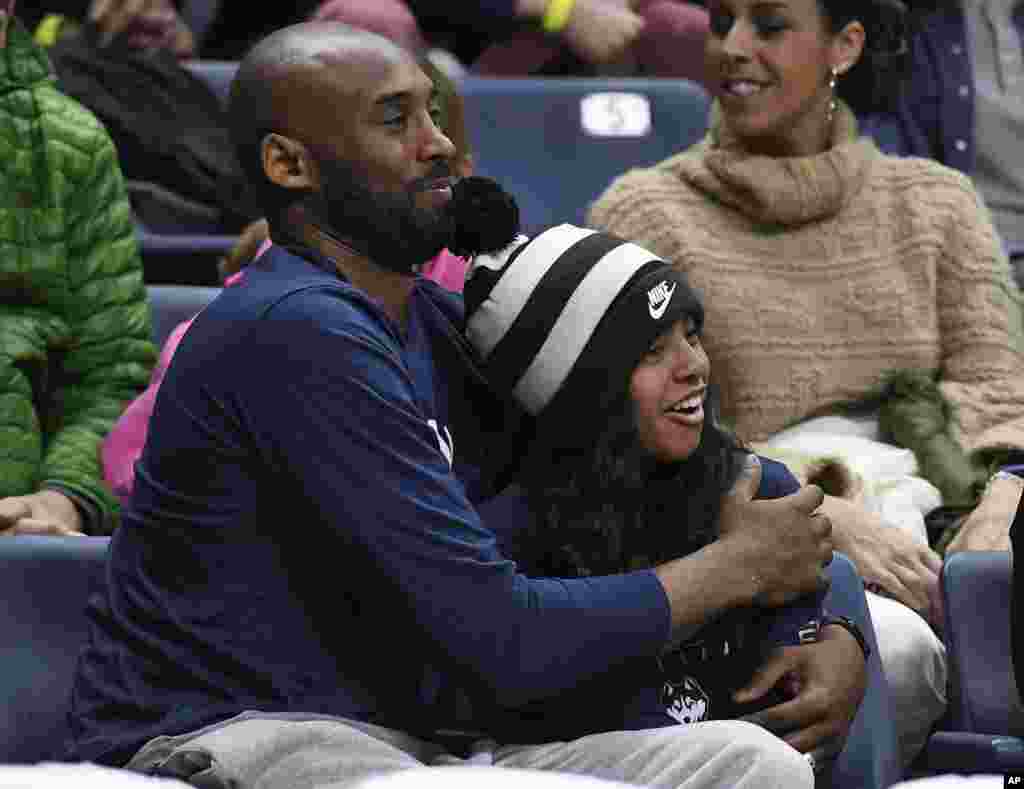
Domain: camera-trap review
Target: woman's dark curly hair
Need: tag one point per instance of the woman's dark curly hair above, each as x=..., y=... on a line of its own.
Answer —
x=874, y=82
x=614, y=507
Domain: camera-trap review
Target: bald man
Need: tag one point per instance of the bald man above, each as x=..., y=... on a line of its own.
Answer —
x=302, y=579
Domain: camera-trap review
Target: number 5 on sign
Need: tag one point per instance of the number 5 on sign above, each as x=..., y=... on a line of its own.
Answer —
x=615, y=115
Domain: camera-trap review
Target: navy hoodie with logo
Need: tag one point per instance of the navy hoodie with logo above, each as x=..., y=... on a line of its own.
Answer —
x=297, y=540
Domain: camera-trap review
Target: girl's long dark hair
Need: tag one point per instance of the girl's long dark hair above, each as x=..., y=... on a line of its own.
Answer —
x=614, y=507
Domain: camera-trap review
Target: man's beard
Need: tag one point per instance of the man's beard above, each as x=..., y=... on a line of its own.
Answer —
x=388, y=227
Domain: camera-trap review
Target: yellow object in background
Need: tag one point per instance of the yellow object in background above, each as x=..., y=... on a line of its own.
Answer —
x=557, y=14
x=52, y=28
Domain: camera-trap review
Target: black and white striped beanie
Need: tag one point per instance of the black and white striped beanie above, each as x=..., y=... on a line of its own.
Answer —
x=562, y=319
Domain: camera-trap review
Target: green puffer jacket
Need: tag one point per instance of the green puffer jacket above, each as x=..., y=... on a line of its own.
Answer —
x=74, y=323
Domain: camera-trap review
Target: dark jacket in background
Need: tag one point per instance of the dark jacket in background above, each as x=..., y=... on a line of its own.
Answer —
x=171, y=132
x=935, y=115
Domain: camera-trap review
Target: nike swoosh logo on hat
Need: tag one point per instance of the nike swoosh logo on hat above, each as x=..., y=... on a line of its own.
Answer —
x=657, y=312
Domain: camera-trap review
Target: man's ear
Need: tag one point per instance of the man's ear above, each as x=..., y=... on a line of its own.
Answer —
x=287, y=163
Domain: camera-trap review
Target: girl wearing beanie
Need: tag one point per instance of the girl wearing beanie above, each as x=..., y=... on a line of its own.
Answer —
x=624, y=467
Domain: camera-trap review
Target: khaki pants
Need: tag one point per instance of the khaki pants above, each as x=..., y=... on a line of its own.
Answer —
x=914, y=661
x=288, y=751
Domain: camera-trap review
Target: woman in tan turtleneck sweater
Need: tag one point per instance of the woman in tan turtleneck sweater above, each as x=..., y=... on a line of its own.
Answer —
x=825, y=265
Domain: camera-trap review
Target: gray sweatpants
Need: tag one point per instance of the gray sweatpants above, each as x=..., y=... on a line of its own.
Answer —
x=291, y=751
x=914, y=661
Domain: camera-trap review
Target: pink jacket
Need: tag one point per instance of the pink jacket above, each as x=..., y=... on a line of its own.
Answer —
x=123, y=445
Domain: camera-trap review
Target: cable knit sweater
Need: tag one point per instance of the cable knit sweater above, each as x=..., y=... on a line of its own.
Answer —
x=822, y=273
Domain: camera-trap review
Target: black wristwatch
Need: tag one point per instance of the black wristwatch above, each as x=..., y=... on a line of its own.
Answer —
x=850, y=627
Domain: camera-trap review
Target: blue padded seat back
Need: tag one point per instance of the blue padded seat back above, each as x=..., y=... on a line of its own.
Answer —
x=170, y=305
x=45, y=583
x=556, y=144
x=984, y=709
x=976, y=588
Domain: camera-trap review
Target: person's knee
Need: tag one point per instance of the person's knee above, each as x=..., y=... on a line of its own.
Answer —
x=772, y=761
x=751, y=756
x=924, y=651
x=912, y=655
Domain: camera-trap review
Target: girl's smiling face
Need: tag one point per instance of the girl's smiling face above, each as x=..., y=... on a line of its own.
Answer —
x=668, y=387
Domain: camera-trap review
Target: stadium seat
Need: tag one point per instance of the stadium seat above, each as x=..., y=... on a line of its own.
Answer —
x=555, y=144
x=985, y=714
x=170, y=305
x=44, y=584
x=185, y=259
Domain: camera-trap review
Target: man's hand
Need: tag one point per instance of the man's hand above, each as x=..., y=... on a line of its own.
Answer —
x=784, y=542
x=987, y=528
x=770, y=552
x=826, y=680
x=45, y=512
x=599, y=31
x=888, y=557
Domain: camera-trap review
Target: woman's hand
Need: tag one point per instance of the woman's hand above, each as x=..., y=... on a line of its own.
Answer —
x=826, y=680
x=888, y=558
x=987, y=528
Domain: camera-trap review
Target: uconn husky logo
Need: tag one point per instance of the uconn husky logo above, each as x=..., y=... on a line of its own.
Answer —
x=658, y=298
x=685, y=701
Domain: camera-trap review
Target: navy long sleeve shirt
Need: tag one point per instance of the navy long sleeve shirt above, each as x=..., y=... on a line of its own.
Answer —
x=297, y=539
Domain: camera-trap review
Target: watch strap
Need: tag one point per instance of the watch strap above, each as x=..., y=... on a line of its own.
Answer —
x=852, y=628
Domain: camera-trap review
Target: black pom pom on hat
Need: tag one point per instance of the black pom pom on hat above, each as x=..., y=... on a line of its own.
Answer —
x=486, y=217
